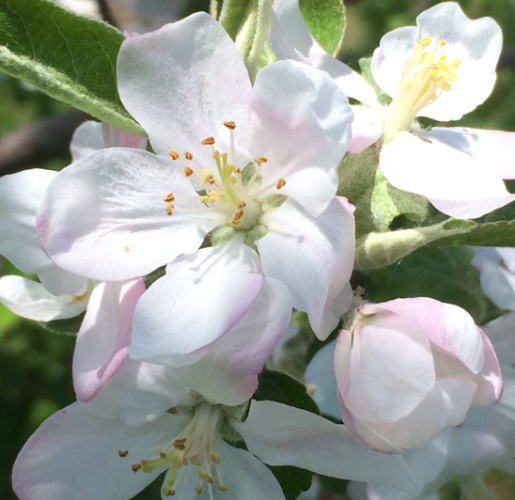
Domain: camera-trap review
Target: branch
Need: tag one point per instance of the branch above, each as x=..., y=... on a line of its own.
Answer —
x=39, y=142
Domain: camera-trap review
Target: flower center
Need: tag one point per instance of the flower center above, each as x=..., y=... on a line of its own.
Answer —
x=425, y=76
x=196, y=446
x=226, y=188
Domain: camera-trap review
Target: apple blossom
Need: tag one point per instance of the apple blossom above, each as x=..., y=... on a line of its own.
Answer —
x=441, y=69
x=483, y=441
x=143, y=423
x=408, y=368
x=211, y=131
x=497, y=274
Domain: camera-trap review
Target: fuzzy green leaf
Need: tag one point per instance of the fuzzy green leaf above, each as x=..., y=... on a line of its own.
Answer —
x=492, y=234
x=70, y=57
x=325, y=20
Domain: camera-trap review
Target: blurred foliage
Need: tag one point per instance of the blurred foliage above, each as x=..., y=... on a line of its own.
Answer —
x=35, y=366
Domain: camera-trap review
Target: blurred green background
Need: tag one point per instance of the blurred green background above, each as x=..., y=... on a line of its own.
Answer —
x=35, y=366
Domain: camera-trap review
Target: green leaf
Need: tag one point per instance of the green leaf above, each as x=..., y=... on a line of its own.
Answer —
x=71, y=58
x=293, y=480
x=442, y=273
x=283, y=388
x=69, y=326
x=325, y=20
x=493, y=234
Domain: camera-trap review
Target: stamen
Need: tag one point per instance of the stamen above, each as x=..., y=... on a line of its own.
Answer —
x=230, y=125
x=169, y=197
x=123, y=453
x=188, y=171
x=167, y=492
x=169, y=208
x=280, y=183
x=214, y=457
x=206, y=177
x=180, y=443
x=162, y=454
x=261, y=160
x=203, y=474
x=426, y=41
x=442, y=42
x=242, y=204
x=136, y=467
x=208, y=141
x=195, y=460
x=174, y=155
x=222, y=488
x=236, y=218
x=126, y=247
x=188, y=156
x=199, y=490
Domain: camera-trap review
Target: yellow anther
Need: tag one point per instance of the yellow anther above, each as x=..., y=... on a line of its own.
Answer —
x=194, y=460
x=169, y=208
x=78, y=298
x=208, y=141
x=185, y=461
x=136, y=467
x=280, y=183
x=216, y=155
x=206, y=177
x=167, y=492
x=169, y=197
x=199, y=489
x=239, y=214
x=235, y=222
x=123, y=453
x=211, y=480
x=203, y=474
x=222, y=488
x=455, y=63
x=173, y=154
x=214, y=457
x=426, y=41
x=204, y=199
x=188, y=156
x=233, y=180
x=214, y=196
x=180, y=443
x=241, y=204
x=230, y=125
x=126, y=247
x=224, y=156
x=188, y=171
x=162, y=454
x=261, y=160
x=442, y=42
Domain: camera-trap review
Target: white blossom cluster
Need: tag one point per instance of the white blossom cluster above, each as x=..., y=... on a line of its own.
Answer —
x=188, y=253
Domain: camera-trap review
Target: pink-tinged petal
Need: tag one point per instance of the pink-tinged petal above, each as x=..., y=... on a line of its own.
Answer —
x=201, y=297
x=455, y=183
x=139, y=392
x=476, y=43
x=494, y=148
x=313, y=257
x=86, y=139
x=228, y=373
x=182, y=82
x=282, y=435
x=115, y=137
x=21, y=195
x=301, y=122
x=74, y=454
x=500, y=331
x=104, y=337
x=320, y=373
x=290, y=39
x=105, y=217
x=445, y=406
x=366, y=129
x=447, y=326
x=377, y=389
x=246, y=477
x=30, y=299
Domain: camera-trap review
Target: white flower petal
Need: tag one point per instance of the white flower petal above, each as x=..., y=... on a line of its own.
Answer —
x=87, y=139
x=282, y=435
x=320, y=373
x=476, y=43
x=200, y=299
x=290, y=39
x=104, y=337
x=301, y=122
x=494, y=148
x=366, y=129
x=115, y=137
x=452, y=181
x=105, y=217
x=74, y=454
x=21, y=195
x=30, y=299
x=313, y=257
x=228, y=373
x=182, y=82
